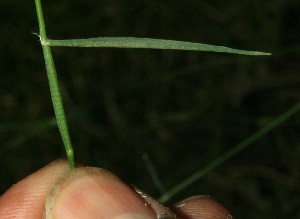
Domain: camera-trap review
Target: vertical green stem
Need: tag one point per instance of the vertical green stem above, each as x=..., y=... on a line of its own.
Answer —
x=54, y=88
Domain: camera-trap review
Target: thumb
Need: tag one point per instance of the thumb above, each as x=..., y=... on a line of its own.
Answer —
x=95, y=193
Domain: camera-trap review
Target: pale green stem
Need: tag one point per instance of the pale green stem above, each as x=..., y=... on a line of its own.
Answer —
x=54, y=88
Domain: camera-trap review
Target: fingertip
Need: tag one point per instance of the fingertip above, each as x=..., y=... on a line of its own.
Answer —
x=19, y=199
x=204, y=207
x=94, y=193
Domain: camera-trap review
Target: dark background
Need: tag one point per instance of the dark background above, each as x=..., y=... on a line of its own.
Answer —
x=183, y=109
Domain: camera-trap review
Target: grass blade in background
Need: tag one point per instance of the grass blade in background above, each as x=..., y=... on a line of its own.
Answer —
x=244, y=144
x=147, y=43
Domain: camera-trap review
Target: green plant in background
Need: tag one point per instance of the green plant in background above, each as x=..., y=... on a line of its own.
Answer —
x=130, y=42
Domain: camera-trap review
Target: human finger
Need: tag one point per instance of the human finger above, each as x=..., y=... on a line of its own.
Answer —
x=204, y=207
x=26, y=199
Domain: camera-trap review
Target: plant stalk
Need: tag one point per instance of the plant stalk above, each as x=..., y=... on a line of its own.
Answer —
x=54, y=88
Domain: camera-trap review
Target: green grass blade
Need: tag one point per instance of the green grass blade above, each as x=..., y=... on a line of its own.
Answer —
x=147, y=43
x=244, y=144
x=54, y=88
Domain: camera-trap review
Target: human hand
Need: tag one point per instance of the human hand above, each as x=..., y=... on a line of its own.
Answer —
x=55, y=192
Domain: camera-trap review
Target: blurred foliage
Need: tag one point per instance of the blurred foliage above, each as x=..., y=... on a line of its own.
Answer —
x=182, y=109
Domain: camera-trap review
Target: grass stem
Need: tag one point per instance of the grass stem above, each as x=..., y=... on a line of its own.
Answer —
x=54, y=88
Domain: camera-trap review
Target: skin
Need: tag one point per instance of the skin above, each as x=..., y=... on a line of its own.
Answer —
x=88, y=192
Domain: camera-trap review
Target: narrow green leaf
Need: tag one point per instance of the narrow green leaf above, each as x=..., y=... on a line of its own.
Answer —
x=147, y=43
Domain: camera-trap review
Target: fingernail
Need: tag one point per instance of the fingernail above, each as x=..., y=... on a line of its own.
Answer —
x=90, y=193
